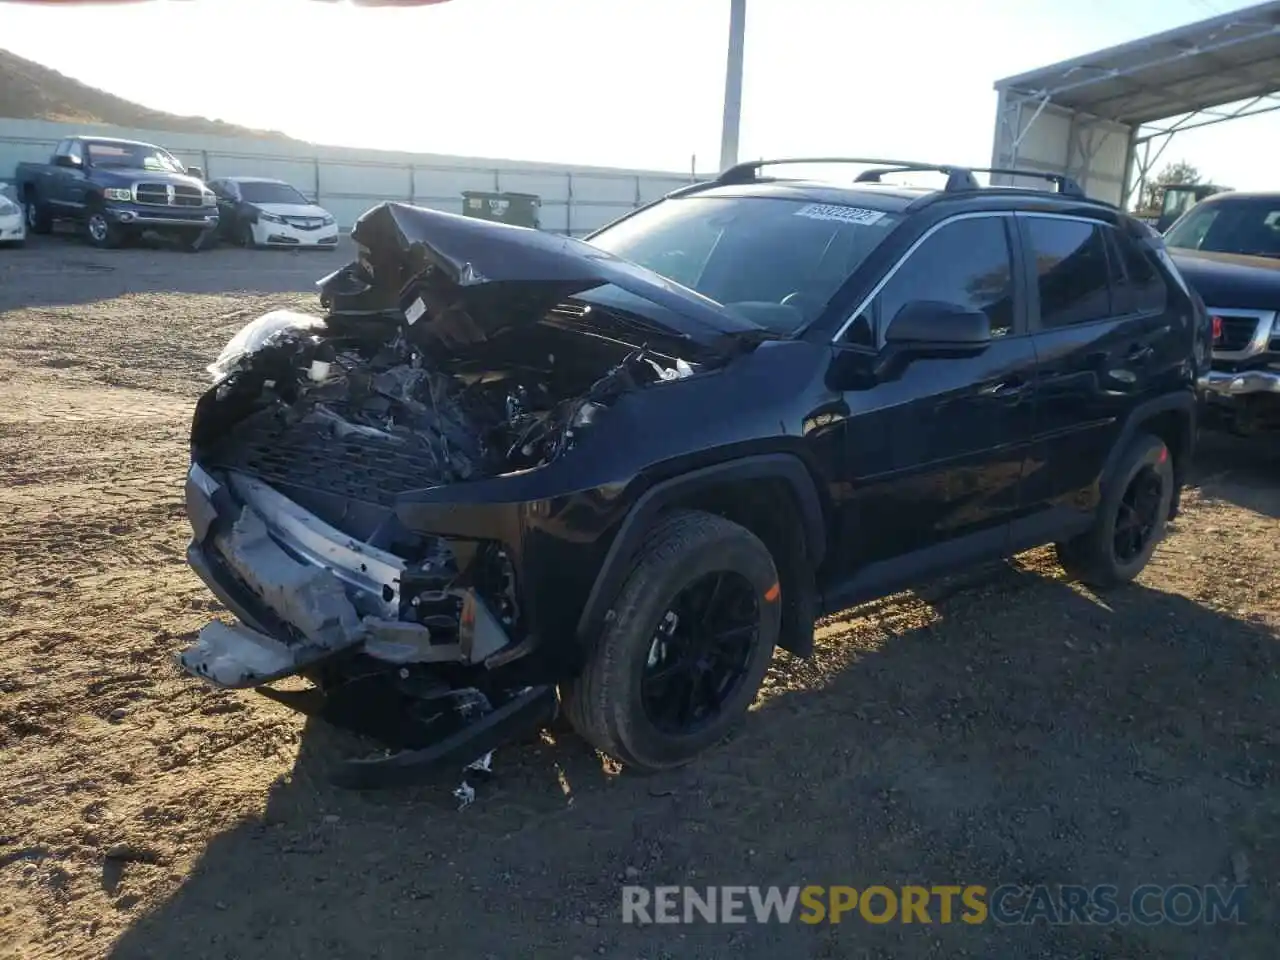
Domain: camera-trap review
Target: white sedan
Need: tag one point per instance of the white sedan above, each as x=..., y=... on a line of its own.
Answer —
x=256, y=212
x=13, y=228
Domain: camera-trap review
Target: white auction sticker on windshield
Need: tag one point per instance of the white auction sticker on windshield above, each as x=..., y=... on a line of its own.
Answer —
x=836, y=211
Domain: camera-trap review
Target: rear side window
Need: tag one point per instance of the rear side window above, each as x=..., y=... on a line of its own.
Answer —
x=1139, y=286
x=1072, y=275
x=967, y=263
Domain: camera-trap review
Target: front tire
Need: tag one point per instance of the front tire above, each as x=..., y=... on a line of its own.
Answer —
x=246, y=236
x=692, y=634
x=101, y=232
x=1130, y=521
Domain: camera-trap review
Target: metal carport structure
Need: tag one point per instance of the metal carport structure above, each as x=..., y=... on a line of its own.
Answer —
x=1096, y=117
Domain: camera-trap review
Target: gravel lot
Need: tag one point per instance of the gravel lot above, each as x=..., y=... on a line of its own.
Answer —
x=1010, y=728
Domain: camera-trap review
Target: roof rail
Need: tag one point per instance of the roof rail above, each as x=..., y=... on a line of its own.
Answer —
x=749, y=172
x=1067, y=186
x=959, y=178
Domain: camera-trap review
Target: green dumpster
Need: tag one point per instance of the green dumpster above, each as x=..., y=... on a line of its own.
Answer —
x=517, y=209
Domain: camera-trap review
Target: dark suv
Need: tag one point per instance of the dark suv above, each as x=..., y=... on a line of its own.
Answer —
x=506, y=463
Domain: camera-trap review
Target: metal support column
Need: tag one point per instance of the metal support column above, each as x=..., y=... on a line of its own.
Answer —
x=733, y=84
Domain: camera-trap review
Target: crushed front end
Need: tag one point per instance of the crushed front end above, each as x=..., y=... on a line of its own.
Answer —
x=372, y=492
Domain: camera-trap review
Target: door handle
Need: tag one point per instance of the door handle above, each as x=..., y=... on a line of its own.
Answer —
x=1009, y=389
x=1139, y=353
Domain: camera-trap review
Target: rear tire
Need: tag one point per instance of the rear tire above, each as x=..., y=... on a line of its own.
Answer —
x=1130, y=521
x=691, y=636
x=39, y=218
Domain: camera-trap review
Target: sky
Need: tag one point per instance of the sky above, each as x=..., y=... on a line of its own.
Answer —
x=627, y=83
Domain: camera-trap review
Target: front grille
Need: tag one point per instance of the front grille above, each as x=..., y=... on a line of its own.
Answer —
x=152, y=193
x=184, y=196
x=1237, y=332
x=168, y=195
x=304, y=223
x=365, y=469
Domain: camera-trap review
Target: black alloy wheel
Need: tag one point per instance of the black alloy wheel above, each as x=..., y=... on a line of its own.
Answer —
x=1130, y=518
x=700, y=653
x=684, y=647
x=1138, y=516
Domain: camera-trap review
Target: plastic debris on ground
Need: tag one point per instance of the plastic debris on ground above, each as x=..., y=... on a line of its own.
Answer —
x=483, y=765
x=465, y=794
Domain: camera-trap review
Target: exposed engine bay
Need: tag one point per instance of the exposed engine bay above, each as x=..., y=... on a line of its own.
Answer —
x=369, y=418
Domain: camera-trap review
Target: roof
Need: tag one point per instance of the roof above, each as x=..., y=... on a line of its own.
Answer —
x=886, y=197
x=1222, y=60
x=254, y=180
x=90, y=138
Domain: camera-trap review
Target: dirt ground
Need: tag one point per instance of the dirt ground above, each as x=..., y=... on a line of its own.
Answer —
x=1007, y=728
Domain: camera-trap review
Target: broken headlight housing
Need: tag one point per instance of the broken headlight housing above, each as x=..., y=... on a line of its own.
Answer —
x=253, y=336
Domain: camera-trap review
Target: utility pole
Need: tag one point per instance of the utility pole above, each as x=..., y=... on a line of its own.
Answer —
x=733, y=84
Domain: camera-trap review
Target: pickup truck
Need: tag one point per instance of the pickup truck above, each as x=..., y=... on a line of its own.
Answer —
x=116, y=190
x=1227, y=247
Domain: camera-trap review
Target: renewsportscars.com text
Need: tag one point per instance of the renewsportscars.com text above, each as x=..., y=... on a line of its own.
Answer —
x=1008, y=904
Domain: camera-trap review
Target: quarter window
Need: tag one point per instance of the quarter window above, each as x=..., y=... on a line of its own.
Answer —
x=1139, y=286
x=967, y=263
x=1070, y=258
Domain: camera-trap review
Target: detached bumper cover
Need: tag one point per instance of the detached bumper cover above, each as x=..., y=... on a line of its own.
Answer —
x=303, y=591
x=293, y=614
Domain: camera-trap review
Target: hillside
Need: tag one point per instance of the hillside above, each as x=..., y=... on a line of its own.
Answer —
x=31, y=91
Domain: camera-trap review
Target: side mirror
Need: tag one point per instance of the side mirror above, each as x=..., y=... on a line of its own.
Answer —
x=197, y=172
x=66, y=160
x=932, y=323
x=932, y=329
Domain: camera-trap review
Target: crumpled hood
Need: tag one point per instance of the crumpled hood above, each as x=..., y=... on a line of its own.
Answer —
x=472, y=279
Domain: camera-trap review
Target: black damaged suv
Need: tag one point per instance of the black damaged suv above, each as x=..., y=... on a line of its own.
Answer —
x=505, y=463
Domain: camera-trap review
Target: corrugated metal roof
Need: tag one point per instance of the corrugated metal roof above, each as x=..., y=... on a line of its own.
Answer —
x=1222, y=60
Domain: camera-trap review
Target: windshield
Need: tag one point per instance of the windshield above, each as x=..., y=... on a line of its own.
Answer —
x=266, y=192
x=132, y=156
x=752, y=250
x=1246, y=225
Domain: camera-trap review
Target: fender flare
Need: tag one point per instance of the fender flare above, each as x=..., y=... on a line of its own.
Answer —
x=1182, y=401
x=626, y=543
